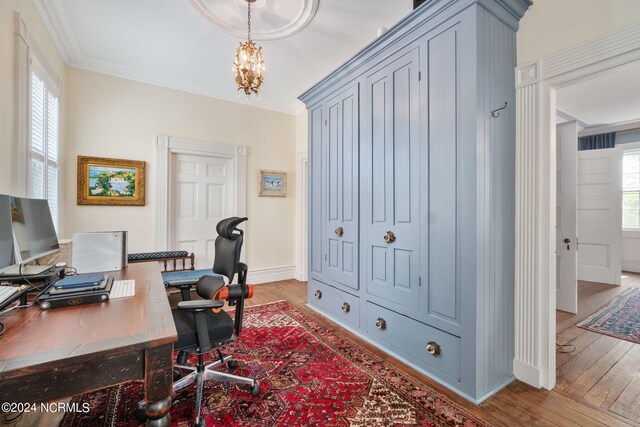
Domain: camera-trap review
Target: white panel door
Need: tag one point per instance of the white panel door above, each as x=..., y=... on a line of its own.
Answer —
x=201, y=194
x=566, y=229
x=600, y=215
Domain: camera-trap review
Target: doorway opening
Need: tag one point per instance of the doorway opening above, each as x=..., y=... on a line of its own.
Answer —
x=535, y=265
x=597, y=234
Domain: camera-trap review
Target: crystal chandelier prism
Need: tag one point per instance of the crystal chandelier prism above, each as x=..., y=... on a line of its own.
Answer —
x=248, y=63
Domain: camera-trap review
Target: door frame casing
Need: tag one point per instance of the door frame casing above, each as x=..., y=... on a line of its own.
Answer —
x=165, y=147
x=535, y=278
x=302, y=192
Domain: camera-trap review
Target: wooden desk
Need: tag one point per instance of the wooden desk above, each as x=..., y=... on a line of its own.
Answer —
x=52, y=354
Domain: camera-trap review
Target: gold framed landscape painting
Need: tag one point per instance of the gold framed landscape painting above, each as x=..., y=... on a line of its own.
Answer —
x=114, y=182
x=273, y=184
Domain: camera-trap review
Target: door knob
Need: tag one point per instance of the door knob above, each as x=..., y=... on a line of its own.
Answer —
x=346, y=307
x=339, y=231
x=389, y=237
x=318, y=294
x=381, y=324
x=567, y=241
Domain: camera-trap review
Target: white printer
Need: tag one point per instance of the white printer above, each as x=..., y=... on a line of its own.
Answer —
x=100, y=251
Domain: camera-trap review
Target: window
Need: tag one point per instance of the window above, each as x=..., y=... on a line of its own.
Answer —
x=44, y=137
x=631, y=190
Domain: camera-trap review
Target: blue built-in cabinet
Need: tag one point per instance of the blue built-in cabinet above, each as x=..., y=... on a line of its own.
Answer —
x=411, y=216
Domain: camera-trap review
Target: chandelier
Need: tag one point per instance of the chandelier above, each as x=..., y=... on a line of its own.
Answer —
x=248, y=64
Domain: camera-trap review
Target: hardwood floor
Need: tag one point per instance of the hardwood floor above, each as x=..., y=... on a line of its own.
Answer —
x=591, y=392
x=602, y=371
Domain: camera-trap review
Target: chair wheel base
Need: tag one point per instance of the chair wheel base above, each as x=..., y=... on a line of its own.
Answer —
x=176, y=375
x=232, y=364
x=255, y=389
x=141, y=414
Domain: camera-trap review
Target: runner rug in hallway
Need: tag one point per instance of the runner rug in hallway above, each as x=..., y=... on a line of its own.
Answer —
x=619, y=319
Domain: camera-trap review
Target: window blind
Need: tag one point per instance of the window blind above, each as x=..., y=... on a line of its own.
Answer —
x=44, y=139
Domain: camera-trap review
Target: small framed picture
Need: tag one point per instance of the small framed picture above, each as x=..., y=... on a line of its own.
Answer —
x=272, y=184
x=114, y=182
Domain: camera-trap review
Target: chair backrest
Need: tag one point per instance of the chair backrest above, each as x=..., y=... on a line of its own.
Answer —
x=228, y=247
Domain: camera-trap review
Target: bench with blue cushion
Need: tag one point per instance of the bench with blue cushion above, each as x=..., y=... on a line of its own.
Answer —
x=166, y=257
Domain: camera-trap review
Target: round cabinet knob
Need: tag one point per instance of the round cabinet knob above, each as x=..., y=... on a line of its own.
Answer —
x=318, y=294
x=381, y=324
x=433, y=348
x=339, y=231
x=346, y=307
x=389, y=237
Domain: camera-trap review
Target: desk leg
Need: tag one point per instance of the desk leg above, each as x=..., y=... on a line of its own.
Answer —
x=158, y=385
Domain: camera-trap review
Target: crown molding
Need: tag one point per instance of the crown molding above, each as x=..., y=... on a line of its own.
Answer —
x=56, y=22
x=568, y=117
x=134, y=74
x=298, y=107
x=629, y=126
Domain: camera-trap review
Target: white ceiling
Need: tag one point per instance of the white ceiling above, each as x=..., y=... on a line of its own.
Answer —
x=608, y=99
x=171, y=43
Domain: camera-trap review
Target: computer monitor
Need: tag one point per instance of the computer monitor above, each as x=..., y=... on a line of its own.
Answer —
x=6, y=234
x=33, y=231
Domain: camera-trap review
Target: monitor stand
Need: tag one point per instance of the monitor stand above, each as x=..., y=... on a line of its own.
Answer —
x=27, y=270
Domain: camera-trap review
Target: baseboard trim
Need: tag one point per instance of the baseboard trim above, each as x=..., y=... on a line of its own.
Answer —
x=527, y=373
x=494, y=390
x=631, y=265
x=272, y=274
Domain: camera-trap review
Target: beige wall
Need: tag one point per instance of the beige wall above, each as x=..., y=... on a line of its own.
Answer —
x=114, y=117
x=302, y=124
x=8, y=131
x=550, y=26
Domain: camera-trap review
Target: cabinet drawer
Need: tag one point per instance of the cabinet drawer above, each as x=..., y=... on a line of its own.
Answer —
x=343, y=306
x=411, y=337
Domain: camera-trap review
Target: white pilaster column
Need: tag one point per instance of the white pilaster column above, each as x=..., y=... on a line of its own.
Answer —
x=534, y=359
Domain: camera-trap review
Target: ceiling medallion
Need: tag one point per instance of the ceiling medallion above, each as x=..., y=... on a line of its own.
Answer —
x=277, y=18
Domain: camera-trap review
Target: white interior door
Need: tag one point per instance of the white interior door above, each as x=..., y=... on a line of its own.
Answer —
x=566, y=228
x=201, y=194
x=600, y=215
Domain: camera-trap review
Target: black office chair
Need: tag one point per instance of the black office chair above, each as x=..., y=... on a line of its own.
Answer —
x=202, y=325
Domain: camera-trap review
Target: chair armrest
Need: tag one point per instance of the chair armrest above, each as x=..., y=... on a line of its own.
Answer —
x=242, y=266
x=198, y=305
x=186, y=283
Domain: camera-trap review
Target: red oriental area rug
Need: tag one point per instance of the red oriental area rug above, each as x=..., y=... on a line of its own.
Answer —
x=309, y=376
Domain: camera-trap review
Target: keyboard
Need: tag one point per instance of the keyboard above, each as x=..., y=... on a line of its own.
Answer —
x=6, y=292
x=122, y=289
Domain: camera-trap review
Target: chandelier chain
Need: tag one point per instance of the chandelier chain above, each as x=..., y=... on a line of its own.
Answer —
x=249, y=20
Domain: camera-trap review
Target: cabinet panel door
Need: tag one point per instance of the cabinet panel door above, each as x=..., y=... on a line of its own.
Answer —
x=444, y=166
x=316, y=229
x=390, y=180
x=340, y=156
